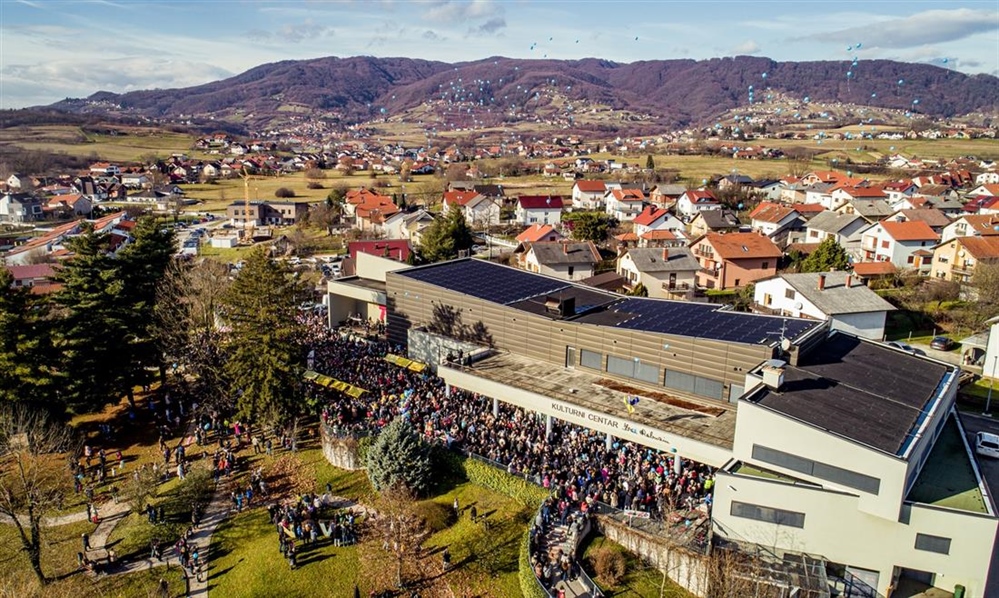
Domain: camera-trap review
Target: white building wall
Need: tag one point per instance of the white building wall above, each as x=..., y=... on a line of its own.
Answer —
x=869, y=325
x=837, y=529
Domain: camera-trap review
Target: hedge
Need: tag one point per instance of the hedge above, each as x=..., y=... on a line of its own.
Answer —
x=529, y=585
x=498, y=480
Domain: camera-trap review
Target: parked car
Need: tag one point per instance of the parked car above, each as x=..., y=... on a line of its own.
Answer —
x=941, y=343
x=905, y=347
x=987, y=445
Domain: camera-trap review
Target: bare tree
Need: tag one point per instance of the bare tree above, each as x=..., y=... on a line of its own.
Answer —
x=34, y=478
x=396, y=534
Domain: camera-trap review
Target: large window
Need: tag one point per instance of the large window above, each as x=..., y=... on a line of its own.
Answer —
x=591, y=359
x=830, y=473
x=932, y=543
x=768, y=514
x=684, y=382
x=633, y=368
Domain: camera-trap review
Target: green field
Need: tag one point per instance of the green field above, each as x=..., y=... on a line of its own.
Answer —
x=126, y=147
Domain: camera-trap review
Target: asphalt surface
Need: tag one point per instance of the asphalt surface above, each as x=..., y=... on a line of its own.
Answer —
x=989, y=468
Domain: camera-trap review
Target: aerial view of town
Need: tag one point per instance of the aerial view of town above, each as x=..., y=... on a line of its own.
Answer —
x=499, y=298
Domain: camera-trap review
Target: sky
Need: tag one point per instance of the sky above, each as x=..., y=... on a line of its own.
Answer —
x=53, y=49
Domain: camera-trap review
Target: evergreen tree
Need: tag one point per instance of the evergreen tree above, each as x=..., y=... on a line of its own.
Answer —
x=266, y=362
x=25, y=348
x=399, y=458
x=591, y=226
x=446, y=237
x=650, y=164
x=92, y=330
x=828, y=256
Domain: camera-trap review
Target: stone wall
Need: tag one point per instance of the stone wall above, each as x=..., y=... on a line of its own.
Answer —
x=342, y=452
x=686, y=568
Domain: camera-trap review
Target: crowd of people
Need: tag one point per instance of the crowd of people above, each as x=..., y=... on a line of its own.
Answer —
x=307, y=520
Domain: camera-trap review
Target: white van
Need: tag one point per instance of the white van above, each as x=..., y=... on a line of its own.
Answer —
x=987, y=445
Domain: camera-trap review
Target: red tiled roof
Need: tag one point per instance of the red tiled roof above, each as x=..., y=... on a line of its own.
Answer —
x=535, y=232
x=649, y=215
x=913, y=230
x=537, y=202
x=459, y=198
x=873, y=268
x=628, y=195
x=734, y=246
x=31, y=271
x=864, y=192
x=659, y=235
x=395, y=248
x=770, y=212
x=808, y=208
x=981, y=247
x=591, y=186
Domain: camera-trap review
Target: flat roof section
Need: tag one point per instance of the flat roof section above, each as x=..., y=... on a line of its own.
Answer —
x=364, y=283
x=527, y=291
x=947, y=478
x=863, y=391
x=711, y=422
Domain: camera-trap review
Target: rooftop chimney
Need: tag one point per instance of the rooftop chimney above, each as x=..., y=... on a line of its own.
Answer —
x=849, y=281
x=665, y=254
x=822, y=282
x=565, y=248
x=773, y=374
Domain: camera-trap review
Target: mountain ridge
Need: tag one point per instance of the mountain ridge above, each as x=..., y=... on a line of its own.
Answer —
x=676, y=92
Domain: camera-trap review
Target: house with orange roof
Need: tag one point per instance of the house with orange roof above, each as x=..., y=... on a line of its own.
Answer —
x=662, y=238
x=539, y=233
x=653, y=218
x=991, y=190
x=480, y=211
x=905, y=244
x=823, y=176
x=71, y=204
x=624, y=204
x=734, y=260
x=957, y=259
x=45, y=245
x=771, y=219
x=971, y=225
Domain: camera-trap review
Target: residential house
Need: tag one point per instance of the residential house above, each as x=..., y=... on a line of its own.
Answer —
x=905, y=244
x=871, y=210
x=480, y=211
x=396, y=249
x=896, y=191
x=717, y=221
x=656, y=219
x=989, y=190
x=262, y=213
x=767, y=189
x=733, y=260
x=987, y=178
x=18, y=208
x=588, y=195
x=971, y=225
x=539, y=209
x=821, y=193
x=69, y=205
x=667, y=273
x=539, y=233
x=835, y=296
x=50, y=243
x=624, y=204
x=136, y=180
x=666, y=195
x=37, y=277
x=20, y=181
x=662, y=238
x=777, y=222
x=933, y=217
x=866, y=272
x=734, y=181
x=407, y=225
x=956, y=259
x=823, y=176
x=844, y=228
x=693, y=202
x=562, y=259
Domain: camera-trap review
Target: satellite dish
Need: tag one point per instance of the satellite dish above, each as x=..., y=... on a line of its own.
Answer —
x=785, y=344
x=798, y=305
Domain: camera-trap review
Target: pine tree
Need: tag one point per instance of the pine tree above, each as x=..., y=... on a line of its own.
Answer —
x=25, y=348
x=446, y=237
x=399, y=458
x=828, y=256
x=92, y=329
x=650, y=163
x=266, y=360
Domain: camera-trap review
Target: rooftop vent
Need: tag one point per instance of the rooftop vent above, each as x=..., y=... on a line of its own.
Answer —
x=773, y=374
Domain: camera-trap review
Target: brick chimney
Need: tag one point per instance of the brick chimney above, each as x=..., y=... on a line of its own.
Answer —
x=565, y=248
x=822, y=282
x=665, y=254
x=849, y=281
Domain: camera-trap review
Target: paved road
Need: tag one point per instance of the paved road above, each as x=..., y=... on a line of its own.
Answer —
x=990, y=471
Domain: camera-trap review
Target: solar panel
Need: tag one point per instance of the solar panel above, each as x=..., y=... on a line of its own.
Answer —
x=707, y=321
x=486, y=280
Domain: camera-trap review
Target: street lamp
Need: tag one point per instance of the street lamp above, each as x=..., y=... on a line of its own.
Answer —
x=992, y=381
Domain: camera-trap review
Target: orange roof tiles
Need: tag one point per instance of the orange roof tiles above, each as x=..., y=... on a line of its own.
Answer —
x=535, y=232
x=734, y=246
x=913, y=230
x=591, y=186
x=649, y=215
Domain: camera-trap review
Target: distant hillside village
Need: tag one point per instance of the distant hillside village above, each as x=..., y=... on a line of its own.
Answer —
x=666, y=239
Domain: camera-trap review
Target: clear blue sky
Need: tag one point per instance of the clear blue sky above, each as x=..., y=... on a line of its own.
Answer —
x=51, y=49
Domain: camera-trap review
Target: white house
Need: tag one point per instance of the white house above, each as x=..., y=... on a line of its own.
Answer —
x=821, y=193
x=769, y=218
x=624, y=204
x=565, y=260
x=653, y=218
x=835, y=296
x=845, y=228
x=695, y=201
x=539, y=209
x=588, y=195
x=480, y=211
x=666, y=273
x=904, y=244
x=971, y=225
x=987, y=178
x=987, y=190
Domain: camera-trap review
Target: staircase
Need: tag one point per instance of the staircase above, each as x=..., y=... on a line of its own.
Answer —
x=556, y=537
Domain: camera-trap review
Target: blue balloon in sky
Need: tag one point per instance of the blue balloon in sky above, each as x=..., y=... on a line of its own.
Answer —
x=901, y=81
x=858, y=46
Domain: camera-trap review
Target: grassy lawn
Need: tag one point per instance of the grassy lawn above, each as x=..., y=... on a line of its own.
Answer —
x=639, y=581
x=59, y=563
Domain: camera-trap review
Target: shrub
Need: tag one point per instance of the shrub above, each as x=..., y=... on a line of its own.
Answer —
x=609, y=565
x=314, y=185
x=495, y=479
x=284, y=192
x=529, y=585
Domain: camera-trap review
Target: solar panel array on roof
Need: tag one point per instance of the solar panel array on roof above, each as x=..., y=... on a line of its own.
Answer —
x=707, y=321
x=486, y=280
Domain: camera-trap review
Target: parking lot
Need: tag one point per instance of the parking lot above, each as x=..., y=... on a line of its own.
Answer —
x=973, y=424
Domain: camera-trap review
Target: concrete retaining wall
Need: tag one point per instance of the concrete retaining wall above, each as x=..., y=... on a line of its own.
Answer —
x=342, y=452
x=688, y=569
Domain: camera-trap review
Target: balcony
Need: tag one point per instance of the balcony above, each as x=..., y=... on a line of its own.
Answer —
x=676, y=286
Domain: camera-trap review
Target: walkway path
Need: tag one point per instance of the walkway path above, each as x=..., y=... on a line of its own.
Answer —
x=558, y=537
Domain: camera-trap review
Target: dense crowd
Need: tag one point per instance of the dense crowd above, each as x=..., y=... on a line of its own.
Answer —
x=305, y=521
